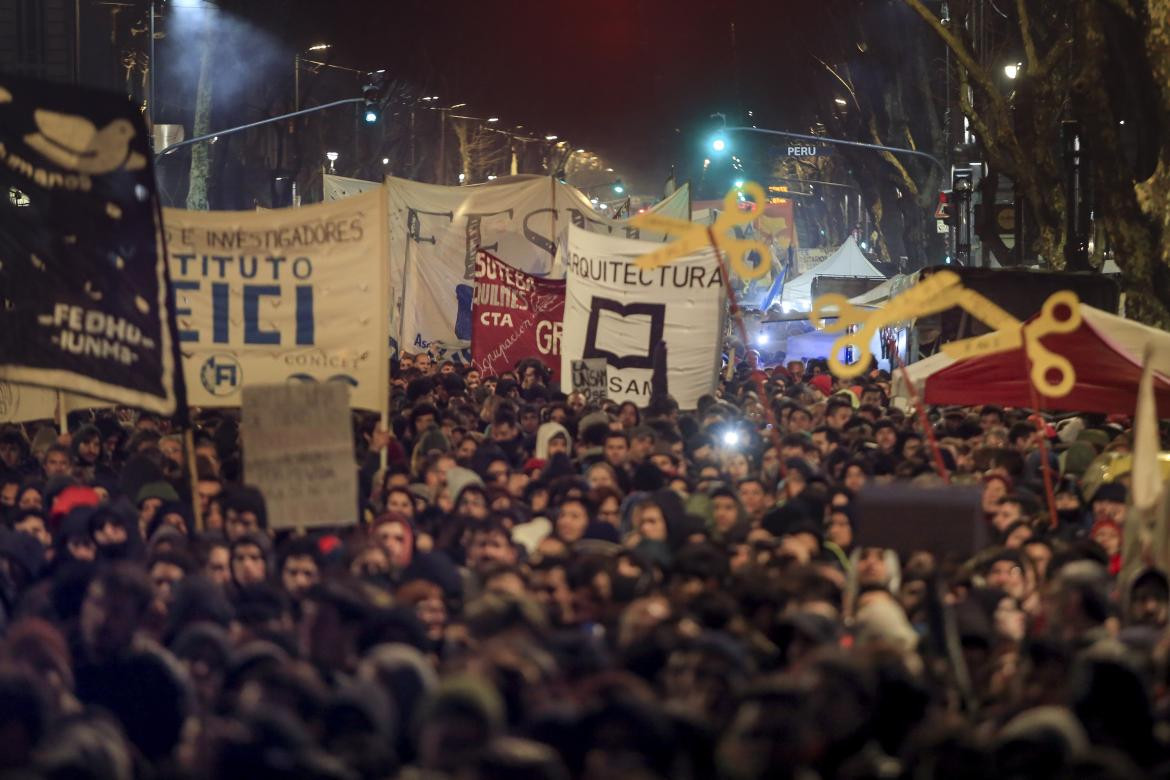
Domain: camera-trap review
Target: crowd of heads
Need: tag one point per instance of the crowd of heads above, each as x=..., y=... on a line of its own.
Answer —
x=539, y=587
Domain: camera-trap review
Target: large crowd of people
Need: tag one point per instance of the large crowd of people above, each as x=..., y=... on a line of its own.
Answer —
x=535, y=587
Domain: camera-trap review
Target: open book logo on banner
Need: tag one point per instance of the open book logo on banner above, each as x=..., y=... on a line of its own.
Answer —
x=1051, y=374
x=692, y=237
x=614, y=313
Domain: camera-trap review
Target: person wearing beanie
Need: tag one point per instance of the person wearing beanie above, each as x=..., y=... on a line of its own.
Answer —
x=69, y=498
x=797, y=521
x=1109, y=501
x=175, y=514
x=822, y=383
x=150, y=497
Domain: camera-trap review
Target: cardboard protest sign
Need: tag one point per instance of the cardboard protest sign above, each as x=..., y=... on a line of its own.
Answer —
x=298, y=449
x=619, y=312
x=944, y=520
x=589, y=377
x=85, y=303
x=514, y=316
x=282, y=295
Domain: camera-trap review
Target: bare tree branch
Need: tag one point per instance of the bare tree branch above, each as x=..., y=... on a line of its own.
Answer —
x=1026, y=33
x=848, y=87
x=976, y=72
x=894, y=162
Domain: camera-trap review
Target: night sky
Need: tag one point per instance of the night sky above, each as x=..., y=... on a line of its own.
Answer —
x=634, y=80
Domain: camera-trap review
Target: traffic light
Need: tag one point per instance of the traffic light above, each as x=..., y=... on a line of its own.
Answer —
x=618, y=187
x=372, y=103
x=719, y=144
x=962, y=187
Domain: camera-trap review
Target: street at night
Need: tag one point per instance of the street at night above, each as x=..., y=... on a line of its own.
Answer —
x=648, y=390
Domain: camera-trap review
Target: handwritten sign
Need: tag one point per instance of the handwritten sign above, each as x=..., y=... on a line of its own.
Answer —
x=589, y=378
x=514, y=316
x=298, y=449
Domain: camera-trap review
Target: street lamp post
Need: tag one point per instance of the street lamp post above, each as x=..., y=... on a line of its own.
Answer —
x=250, y=125
x=297, y=72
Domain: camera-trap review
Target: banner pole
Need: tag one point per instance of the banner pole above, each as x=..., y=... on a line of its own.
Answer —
x=737, y=318
x=193, y=475
x=62, y=414
x=384, y=209
x=552, y=219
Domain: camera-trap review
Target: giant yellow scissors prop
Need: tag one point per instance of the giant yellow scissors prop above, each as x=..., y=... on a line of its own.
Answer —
x=1051, y=374
x=692, y=237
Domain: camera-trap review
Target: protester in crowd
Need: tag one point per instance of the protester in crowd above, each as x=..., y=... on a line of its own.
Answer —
x=535, y=586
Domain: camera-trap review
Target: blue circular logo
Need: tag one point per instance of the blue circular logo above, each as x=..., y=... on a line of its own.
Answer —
x=221, y=375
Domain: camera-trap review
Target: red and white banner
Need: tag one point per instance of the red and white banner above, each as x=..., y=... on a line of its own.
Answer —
x=514, y=316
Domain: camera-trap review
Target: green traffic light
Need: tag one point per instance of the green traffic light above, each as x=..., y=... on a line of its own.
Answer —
x=719, y=144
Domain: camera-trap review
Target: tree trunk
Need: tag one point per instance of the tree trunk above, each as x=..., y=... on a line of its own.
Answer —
x=201, y=153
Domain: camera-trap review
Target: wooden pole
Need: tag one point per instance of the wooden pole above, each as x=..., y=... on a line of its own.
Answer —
x=62, y=414
x=193, y=475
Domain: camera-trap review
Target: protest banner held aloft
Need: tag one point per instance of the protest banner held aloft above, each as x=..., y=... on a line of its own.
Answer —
x=282, y=296
x=84, y=295
x=514, y=316
x=617, y=311
x=435, y=232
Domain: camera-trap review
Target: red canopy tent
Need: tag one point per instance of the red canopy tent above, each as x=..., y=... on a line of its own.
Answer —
x=1106, y=352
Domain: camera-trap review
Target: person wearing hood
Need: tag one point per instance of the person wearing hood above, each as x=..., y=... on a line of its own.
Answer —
x=115, y=531
x=394, y=534
x=871, y=567
x=551, y=438
x=251, y=559
x=1145, y=599
x=244, y=510
x=506, y=434
x=662, y=526
x=74, y=541
x=729, y=521
x=458, y=479
x=87, y=452
x=16, y=454
x=177, y=515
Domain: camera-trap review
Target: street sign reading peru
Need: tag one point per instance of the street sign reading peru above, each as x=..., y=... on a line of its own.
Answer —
x=807, y=150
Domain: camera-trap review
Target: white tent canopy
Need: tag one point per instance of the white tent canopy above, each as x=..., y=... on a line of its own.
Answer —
x=848, y=260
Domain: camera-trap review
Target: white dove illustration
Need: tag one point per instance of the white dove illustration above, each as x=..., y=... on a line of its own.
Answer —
x=74, y=142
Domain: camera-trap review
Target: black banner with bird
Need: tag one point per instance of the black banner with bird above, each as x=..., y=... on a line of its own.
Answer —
x=85, y=296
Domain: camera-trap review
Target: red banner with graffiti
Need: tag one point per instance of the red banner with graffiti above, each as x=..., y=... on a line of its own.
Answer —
x=514, y=316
